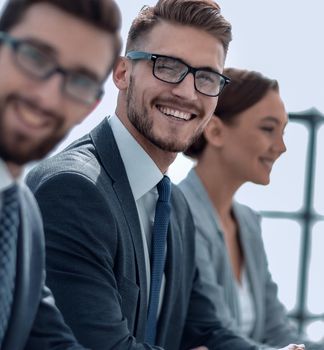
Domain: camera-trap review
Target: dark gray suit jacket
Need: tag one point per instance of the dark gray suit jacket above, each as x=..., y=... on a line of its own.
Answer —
x=95, y=257
x=35, y=323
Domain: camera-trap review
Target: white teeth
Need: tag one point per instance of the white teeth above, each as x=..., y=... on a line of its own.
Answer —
x=31, y=117
x=175, y=113
x=267, y=162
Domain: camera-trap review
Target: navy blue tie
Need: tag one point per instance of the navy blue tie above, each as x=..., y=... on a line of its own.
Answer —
x=9, y=222
x=158, y=246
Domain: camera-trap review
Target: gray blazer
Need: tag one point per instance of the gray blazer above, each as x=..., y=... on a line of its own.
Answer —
x=35, y=323
x=95, y=257
x=272, y=325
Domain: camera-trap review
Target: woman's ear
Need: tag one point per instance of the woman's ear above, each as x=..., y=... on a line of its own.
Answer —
x=121, y=73
x=214, y=131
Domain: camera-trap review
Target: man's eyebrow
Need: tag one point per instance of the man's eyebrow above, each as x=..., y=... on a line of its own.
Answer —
x=42, y=46
x=202, y=67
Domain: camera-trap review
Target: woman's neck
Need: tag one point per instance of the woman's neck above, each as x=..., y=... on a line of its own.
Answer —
x=219, y=184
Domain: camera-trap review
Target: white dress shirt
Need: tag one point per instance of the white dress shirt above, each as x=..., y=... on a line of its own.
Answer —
x=143, y=175
x=6, y=180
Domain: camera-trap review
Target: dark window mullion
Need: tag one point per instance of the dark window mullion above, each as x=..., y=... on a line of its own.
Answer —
x=306, y=217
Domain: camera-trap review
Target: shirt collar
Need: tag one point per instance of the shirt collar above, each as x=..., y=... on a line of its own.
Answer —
x=6, y=180
x=142, y=172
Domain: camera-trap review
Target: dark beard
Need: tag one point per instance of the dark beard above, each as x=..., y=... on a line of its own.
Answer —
x=144, y=126
x=19, y=155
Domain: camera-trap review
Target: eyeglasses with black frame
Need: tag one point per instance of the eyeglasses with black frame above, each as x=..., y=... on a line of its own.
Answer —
x=39, y=65
x=173, y=70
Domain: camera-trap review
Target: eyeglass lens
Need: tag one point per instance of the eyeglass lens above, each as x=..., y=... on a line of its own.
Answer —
x=172, y=70
x=39, y=65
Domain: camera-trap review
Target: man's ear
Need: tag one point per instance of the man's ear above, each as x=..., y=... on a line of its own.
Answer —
x=214, y=131
x=121, y=73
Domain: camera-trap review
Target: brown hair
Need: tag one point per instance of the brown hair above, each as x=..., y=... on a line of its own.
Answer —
x=202, y=14
x=103, y=14
x=245, y=90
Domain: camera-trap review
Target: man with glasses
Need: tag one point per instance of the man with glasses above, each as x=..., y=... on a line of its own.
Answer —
x=120, y=250
x=54, y=58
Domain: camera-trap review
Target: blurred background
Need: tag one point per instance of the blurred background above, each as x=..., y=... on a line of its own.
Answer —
x=283, y=40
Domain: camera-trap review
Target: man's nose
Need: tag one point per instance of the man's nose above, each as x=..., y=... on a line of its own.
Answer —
x=50, y=91
x=186, y=88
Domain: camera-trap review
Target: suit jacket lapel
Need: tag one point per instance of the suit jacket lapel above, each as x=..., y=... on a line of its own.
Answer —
x=104, y=141
x=247, y=231
x=24, y=300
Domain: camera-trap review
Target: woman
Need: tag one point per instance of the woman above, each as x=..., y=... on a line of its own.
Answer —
x=241, y=143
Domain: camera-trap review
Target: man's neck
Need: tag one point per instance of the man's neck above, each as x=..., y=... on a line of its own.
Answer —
x=14, y=169
x=161, y=158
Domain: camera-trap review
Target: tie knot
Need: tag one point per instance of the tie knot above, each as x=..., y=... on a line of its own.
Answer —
x=164, y=189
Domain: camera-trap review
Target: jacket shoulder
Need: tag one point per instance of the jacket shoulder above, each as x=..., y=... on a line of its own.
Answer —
x=79, y=159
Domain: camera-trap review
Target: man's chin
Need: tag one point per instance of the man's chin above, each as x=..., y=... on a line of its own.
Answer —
x=21, y=157
x=170, y=145
x=164, y=145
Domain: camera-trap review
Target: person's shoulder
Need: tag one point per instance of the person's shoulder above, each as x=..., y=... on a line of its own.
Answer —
x=193, y=190
x=178, y=196
x=188, y=183
x=180, y=207
x=78, y=159
x=246, y=211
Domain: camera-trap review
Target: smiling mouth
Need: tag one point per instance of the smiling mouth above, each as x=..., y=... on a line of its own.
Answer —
x=175, y=113
x=30, y=116
x=267, y=162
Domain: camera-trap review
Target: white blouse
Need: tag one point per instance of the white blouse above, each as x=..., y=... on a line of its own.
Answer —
x=246, y=305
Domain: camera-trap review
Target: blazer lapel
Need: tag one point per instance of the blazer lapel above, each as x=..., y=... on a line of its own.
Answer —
x=247, y=232
x=104, y=141
x=25, y=300
x=210, y=226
